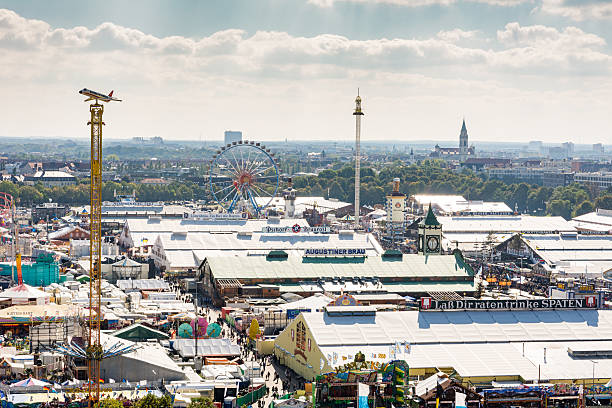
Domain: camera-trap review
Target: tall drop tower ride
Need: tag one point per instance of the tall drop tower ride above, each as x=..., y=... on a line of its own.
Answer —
x=358, y=114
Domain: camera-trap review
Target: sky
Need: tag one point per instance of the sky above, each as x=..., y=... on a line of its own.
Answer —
x=516, y=70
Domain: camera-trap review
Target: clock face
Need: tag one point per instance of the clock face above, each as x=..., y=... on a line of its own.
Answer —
x=432, y=244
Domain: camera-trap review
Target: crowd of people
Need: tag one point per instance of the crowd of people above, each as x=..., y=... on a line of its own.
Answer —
x=279, y=380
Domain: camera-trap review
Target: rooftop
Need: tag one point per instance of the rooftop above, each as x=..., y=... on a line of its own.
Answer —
x=460, y=327
x=505, y=224
x=411, y=266
x=52, y=174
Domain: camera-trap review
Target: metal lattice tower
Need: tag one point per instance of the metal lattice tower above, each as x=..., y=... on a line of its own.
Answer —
x=94, y=348
x=358, y=114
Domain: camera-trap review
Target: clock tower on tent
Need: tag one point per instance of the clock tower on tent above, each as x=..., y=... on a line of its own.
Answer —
x=430, y=234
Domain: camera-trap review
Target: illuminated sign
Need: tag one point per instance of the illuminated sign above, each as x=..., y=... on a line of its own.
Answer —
x=295, y=229
x=335, y=251
x=203, y=215
x=293, y=313
x=514, y=304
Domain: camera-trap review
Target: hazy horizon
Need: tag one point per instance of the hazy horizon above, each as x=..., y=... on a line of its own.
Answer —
x=347, y=142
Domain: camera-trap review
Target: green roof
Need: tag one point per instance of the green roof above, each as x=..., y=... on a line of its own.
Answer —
x=411, y=266
x=430, y=219
x=392, y=255
x=138, y=332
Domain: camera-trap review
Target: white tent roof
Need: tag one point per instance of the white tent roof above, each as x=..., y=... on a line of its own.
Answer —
x=315, y=302
x=142, y=284
x=460, y=327
x=206, y=347
x=127, y=262
x=475, y=344
x=24, y=292
x=505, y=224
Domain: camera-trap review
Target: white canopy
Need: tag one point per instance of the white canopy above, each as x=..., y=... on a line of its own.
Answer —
x=26, y=293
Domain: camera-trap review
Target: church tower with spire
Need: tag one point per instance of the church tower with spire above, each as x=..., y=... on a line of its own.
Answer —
x=463, y=142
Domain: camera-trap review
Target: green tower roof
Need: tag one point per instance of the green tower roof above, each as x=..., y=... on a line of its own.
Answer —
x=430, y=218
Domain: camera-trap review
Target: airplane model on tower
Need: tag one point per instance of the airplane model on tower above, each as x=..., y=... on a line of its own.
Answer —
x=93, y=95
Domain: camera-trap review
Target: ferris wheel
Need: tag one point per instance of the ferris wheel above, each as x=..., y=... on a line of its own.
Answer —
x=244, y=176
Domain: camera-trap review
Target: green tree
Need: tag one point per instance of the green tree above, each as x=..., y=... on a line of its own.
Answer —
x=110, y=403
x=9, y=188
x=151, y=401
x=537, y=198
x=336, y=191
x=29, y=195
x=519, y=196
x=604, y=202
x=561, y=208
x=347, y=171
x=201, y=403
x=328, y=174
x=583, y=208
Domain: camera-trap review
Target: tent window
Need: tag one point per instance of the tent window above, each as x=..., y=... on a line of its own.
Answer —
x=301, y=336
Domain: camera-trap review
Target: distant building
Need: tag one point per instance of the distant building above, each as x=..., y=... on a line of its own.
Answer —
x=557, y=152
x=596, y=222
x=535, y=145
x=289, y=197
x=456, y=205
x=546, y=176
x=589, y=166
x=601, y=180
x=50, y=210
x=478, y=163
x=153, y=140
x=154, y=181
x=231, y=136
x=557, y=178
x=396, y=213
x=459, y=153
x=568, y=148
x=463, y=142
x=68, y=233
x=50, y=178
x=598, y=148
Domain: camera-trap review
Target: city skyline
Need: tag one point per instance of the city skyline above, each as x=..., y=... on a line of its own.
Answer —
x=518, y=70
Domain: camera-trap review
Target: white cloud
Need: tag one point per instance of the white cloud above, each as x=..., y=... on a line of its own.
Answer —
x=570, y=38
x=548, y=49
x=420, y=3
x=270, y=83
x=457, y=35
x=578, y=9
x=268, y=53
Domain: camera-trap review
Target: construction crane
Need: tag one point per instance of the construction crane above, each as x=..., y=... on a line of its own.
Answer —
x=94, y=351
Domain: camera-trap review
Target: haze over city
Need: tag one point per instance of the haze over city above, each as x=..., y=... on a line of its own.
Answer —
x=517, y=70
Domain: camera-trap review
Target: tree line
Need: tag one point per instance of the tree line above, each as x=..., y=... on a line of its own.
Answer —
x=428, y=177
x=78, y=194
x=436, y=177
